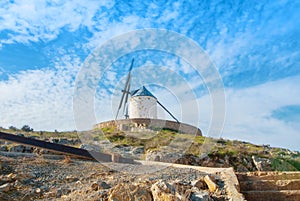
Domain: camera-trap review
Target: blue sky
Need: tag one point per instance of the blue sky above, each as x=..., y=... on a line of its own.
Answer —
x=254, y=45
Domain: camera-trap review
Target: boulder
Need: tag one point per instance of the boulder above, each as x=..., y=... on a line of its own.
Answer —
x=3, y=148
x=11, y=176
x=94, y=186
x=104, y=185
x=5, y=187
x=212, y=186
x=153, y=155
x=162, y=190
x=21, y=148
x=121, y=148
x=53, y=140
x=90, y=147
x=17, y=148
x=60, y=192
x=188, y=159
x=181, y=187
x=163, y=156
x=41, y=151
x=130, y=192
x=71, y=178
x=63, y=141
x=138, y=150
x=198, y=195
x=100, y=185
x=261, y=164
x=200, y=184
x=20, y=134
x=38, y=191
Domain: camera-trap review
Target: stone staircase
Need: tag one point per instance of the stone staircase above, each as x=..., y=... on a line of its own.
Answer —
x=270, y=186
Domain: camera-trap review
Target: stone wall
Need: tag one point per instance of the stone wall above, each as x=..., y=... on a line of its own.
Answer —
x=143, y=123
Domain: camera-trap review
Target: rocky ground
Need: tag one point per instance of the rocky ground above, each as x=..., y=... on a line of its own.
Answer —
x=243, y=157
x=29, y=173
x=36, y=178
x=157, y=146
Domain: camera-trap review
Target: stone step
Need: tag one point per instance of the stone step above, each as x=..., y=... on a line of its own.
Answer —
x=268, y=176
x=284, y=195
x=261, y=185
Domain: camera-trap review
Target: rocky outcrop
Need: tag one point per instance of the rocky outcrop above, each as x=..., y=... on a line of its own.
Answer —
x=261, y=164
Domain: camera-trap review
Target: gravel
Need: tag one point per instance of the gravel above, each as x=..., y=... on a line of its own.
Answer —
x=44, y=179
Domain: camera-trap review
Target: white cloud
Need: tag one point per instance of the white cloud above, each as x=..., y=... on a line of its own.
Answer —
x=35, y=20
x=113, y=29
x=249, y=113
x=41, y=98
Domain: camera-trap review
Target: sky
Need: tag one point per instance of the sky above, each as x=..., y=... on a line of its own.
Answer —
x=254, y=47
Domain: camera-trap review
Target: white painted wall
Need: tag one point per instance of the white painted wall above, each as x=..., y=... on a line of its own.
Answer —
x=142, y=107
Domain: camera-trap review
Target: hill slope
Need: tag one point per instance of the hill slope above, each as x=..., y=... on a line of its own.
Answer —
x=169, y=146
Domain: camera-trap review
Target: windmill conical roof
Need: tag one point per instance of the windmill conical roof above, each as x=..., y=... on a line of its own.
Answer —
x=143, y=91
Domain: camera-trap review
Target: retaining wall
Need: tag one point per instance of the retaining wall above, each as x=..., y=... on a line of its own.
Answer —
x=143, y=123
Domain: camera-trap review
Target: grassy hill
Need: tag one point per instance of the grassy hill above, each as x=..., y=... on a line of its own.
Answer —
x=198, y=150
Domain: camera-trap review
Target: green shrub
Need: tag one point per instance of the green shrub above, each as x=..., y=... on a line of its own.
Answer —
x=295, y=163
x=279, y=164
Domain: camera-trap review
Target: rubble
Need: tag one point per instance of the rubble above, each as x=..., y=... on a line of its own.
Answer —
x=41, y=179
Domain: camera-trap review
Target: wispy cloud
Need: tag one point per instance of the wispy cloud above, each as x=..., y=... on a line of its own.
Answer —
x=249, y=113
x=40, y=98
x=25, y=21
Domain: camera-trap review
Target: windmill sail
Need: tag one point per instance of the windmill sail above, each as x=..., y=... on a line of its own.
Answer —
x=125, y=108
x=168, y=111
x=126, y=92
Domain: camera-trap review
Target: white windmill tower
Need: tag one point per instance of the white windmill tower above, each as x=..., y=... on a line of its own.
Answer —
x=142, y=103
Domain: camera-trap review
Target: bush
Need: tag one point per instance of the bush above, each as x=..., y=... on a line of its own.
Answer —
x=27, y=128
x=280, y=164
x=294, y=163
x=12, y=128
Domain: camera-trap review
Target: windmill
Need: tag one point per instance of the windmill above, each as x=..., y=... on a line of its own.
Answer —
x=142, y=103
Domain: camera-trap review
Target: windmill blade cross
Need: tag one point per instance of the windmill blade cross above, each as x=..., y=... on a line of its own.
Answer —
x=126, y=99
x=126, y=90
